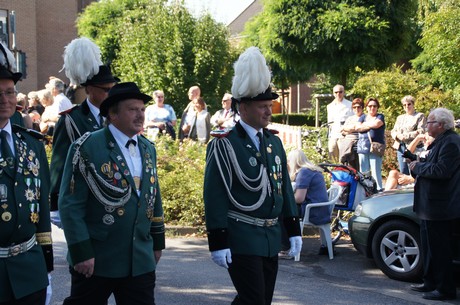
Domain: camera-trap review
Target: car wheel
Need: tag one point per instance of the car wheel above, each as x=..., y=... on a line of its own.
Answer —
x=396, y=250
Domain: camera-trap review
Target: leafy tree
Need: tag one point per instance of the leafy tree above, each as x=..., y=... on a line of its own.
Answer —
x=440, y=42
x=162, y=46
x=333, y=37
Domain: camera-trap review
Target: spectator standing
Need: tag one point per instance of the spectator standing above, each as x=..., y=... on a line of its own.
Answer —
x=26, y=255
x=437, y=205
x=225, y=117
x=160, y=116
x=348, y=144
x=82, y=118
x=371, y=129
x=406, y=129
x=35, y=109
x=201, y=126
x=242, y=216
x=111, y=206
x=337, y=113
x=57, y=87
x=50, y=116
x=23, y=107
x=189, y=113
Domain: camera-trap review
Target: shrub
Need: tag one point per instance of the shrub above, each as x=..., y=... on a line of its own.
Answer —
x=181, y=173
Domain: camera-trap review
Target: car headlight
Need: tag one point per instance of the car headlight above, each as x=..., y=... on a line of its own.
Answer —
x=358, y=210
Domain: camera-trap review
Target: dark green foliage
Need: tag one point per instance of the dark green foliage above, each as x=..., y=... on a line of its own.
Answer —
x=181, y=174
x=295, y=119
x=333, y=37
x=160, y=45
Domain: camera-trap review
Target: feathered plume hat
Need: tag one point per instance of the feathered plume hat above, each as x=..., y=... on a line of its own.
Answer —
x=8, y=65
x=252, y=78
x=83, y=64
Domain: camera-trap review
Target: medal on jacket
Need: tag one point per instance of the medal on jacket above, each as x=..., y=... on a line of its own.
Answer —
x=150, y=198
x=6, y=216
x=34, y=210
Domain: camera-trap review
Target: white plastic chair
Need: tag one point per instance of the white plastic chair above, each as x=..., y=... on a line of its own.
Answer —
x=333, y=195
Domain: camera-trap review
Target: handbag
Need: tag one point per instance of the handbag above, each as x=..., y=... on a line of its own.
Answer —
x=376, y=147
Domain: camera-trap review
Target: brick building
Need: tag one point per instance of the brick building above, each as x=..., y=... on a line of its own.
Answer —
x=42, y=29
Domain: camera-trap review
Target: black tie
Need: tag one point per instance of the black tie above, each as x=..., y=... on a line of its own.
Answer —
x=101, y=121
x=7, y=154
x=130, y=141
x=262, y=148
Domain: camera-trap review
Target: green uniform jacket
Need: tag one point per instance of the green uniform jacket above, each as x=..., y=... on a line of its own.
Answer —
x=243, y=238
x=72, y=124
x=124, y=247
x=24, y=211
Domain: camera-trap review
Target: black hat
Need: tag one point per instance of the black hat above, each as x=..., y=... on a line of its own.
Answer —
x=264, y=96
x=121, y=92
x=7, y=74
x=5, y=66
x=104, y=76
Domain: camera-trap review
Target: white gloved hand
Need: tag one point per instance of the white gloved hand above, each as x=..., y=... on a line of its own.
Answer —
x=222, y=257
x=296, y=245
x=56, y=219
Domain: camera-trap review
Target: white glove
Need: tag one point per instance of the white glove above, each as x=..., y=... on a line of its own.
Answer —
x=296, y=245
x=56, y=219
x=222, y=257
x=49, y=291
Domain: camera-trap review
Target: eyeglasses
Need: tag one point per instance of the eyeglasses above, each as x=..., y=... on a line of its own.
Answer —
x=105, y=89
x=372, y=106
x=431, y=122
x=356, y=107
x=8, y=93
x=338, y=92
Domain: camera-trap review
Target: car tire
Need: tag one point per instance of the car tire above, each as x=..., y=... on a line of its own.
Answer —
x=396, y=250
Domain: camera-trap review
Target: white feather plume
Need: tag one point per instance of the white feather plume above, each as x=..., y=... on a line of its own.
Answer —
x=252, y=75
x=9, y=62
x=82, y=58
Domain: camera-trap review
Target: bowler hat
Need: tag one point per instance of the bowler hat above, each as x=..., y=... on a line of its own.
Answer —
x=104, y=76
x=121, y=92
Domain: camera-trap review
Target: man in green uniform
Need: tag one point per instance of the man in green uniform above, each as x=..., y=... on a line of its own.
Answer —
x=247, y=189
x=111, y=207
x=74, y=122
x=26, y=254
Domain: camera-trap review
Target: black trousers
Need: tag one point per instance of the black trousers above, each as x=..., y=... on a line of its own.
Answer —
x=36, y=298
x=254, y=278
x=436, y=240
x=96, y=290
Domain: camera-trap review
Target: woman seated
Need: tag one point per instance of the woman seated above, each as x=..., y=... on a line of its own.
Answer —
x=398, y=180
x=309, y=187
x=160, y=116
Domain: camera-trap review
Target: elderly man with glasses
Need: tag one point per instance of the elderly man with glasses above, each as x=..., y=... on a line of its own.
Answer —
x=337, y=113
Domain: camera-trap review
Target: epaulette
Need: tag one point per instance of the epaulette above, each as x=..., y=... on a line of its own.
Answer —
x=220, y=133
x=273, y=131
x=68, y=110
x=17, y=128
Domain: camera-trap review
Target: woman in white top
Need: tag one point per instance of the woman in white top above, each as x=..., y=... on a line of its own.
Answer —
x=201, y=126
x=160, y=116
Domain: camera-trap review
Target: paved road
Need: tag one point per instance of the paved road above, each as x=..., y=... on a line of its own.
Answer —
x=187, y=276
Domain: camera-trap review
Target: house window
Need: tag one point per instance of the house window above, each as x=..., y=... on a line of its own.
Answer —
x=4, y=27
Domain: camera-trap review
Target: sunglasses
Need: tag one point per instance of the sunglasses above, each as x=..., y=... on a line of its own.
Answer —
x=356, y=107
x=105, y=89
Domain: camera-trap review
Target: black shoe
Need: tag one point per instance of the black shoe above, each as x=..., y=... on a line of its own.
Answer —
x=421, y=288
x=439, y=296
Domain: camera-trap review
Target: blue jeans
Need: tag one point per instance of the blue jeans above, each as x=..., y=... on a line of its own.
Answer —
x=373, y=163
x=403, y=166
